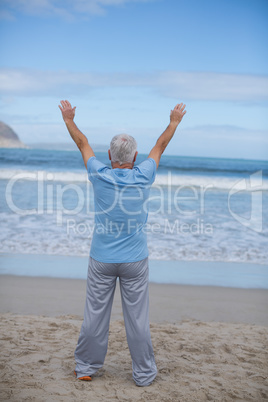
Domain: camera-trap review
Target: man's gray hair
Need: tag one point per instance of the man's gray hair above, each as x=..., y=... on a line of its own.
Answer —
x=123, y=148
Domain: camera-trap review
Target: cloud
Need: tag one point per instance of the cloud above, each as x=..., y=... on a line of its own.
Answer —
x=200, y=86
x=64, y=9
x=226, y=132
x=222, y=141
x=215, y=86
x=6, y=15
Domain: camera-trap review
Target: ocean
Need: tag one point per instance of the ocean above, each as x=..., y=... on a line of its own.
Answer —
x=201, y=209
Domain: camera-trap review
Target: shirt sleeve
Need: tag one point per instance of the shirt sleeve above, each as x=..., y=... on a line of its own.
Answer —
x=147, y=169
x=93, y=167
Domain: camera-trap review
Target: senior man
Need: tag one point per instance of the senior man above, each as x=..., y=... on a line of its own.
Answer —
x=118, y=248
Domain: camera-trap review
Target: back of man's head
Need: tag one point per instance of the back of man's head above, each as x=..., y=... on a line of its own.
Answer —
x=123, y=148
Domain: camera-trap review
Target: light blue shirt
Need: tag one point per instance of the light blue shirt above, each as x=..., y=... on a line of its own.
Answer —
x=121, y=210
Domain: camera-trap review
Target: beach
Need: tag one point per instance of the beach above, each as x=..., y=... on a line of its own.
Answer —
x=208, y=280
x=210, y=343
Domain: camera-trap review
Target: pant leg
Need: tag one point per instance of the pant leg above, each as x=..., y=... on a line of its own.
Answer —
x=135, y=303
x=93, y=339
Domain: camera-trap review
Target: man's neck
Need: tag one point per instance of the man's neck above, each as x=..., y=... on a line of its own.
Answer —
x=116, y=165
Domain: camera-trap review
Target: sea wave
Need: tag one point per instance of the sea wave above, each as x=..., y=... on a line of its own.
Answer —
x=253, y=182
x=204, y=239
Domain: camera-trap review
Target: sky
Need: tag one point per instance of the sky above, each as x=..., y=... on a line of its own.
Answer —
x=125, y=64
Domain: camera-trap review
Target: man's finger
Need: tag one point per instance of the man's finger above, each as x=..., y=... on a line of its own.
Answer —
x=178, y=106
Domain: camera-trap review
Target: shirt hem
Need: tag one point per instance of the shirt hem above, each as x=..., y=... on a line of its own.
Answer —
x=116, y=261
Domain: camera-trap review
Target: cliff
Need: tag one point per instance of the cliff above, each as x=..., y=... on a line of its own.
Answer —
x=8, y=138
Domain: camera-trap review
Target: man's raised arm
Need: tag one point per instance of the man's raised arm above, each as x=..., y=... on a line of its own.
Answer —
x=176, y=116
x=68, y=113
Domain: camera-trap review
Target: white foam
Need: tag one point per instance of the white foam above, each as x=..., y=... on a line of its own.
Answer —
x=170, y=179
x=210, y=182
x=39, y=234
x=38, y=175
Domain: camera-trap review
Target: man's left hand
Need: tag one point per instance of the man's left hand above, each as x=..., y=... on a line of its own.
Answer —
x=68, y=112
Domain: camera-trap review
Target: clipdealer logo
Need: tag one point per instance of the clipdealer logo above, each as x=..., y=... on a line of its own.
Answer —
x=254, y=186
x=50, y=199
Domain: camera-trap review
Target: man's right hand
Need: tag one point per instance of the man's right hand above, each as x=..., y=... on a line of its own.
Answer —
x=68, y=113
x=177, y=114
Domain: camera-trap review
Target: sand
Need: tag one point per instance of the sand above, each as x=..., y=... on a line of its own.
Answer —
x=210, y=343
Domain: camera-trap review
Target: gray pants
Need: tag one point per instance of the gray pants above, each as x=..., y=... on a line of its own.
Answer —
x=93, y=340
